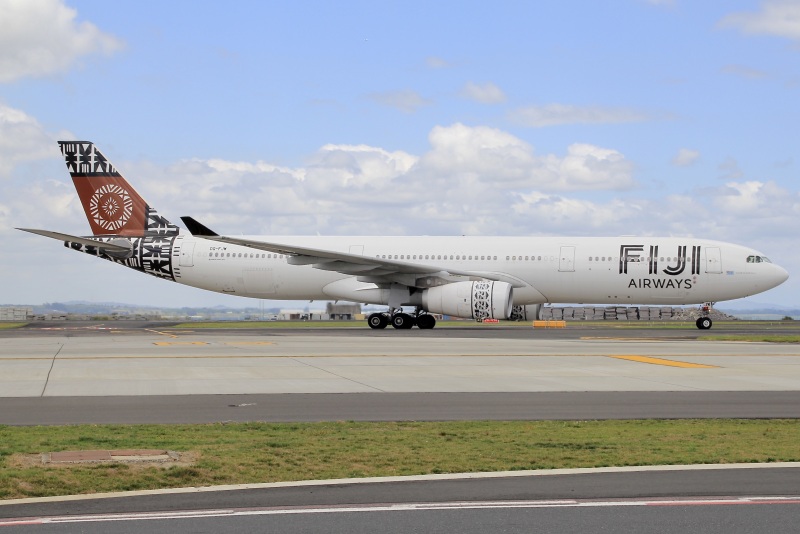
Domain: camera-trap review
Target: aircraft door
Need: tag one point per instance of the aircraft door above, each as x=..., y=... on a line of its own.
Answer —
x=566, y=260
x=187, y=254
x=713, y=260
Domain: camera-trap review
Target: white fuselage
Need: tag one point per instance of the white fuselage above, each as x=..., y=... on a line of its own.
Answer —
x=623, y=270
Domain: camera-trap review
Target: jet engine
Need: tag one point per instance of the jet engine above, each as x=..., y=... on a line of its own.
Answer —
x=476, y=300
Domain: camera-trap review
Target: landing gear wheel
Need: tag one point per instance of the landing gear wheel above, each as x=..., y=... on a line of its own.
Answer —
x=377, y=321
x=426, y=322
x=402, y=321
x=704, y=323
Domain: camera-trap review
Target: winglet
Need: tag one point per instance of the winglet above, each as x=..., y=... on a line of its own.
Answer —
x=195, y=228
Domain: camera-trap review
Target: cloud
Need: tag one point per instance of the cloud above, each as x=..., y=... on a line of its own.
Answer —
x=555, y=209
x=730, y=169
x=744, y=72
x=497, y=157
x=42, y=37
x=22, y=138
x=464, y=183
x=685, y=157
x=760, y=210
x=556, y=114
x=406, y=101
x=780, y=18
x=487, y=93
x=437, y=63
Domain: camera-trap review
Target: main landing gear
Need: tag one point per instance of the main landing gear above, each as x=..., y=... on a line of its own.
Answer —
x=704, y=322
x=401, y=320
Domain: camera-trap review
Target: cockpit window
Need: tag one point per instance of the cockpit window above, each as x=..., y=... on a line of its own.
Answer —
x=758, y=259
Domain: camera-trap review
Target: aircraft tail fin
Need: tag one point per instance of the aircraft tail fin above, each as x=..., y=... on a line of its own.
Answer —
x=112, y=206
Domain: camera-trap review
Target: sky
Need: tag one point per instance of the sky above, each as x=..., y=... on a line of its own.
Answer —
x=573, y=118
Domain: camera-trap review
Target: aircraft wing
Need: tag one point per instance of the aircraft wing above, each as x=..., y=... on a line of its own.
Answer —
x=366, y=268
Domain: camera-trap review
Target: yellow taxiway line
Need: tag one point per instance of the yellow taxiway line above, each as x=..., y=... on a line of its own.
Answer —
x=662, y=361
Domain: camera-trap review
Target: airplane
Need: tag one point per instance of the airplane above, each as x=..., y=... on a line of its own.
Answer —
x=469, y=277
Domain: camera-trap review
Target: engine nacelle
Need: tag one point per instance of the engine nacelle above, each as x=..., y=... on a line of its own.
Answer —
x=474, y=300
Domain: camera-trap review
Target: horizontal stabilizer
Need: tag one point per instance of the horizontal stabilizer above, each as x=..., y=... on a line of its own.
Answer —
x=196, y=228
x=92, y=242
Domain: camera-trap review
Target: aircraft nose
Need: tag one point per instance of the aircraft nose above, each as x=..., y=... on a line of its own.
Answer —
x=779, y=275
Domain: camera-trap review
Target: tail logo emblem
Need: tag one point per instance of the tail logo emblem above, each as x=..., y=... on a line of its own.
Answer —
x=111, y=206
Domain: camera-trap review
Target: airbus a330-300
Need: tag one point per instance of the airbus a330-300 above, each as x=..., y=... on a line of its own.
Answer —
x=470, y=277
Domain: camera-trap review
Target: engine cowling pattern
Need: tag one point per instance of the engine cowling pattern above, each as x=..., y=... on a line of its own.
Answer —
x=475, y=300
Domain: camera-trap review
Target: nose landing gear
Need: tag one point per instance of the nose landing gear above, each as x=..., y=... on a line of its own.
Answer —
x=704, y=322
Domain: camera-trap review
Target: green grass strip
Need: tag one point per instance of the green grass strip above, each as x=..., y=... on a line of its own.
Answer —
x=262, y=452
x=5, y=326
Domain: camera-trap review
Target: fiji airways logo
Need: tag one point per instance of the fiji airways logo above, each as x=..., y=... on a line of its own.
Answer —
x=111, y=206
x=657, y=265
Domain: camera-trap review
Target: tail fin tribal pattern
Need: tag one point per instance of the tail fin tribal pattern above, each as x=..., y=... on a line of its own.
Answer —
x=116, y=212
x=112, y=206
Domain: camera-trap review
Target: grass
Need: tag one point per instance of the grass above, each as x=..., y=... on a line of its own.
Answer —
x=5, y=326
x=262, y=452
